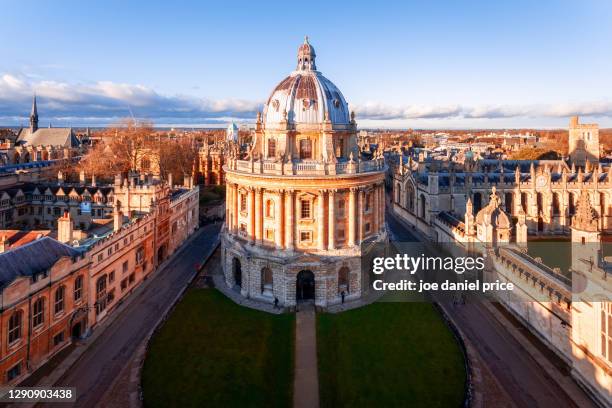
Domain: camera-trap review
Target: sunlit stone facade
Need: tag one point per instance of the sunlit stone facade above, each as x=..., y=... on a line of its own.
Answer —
x=301, y=204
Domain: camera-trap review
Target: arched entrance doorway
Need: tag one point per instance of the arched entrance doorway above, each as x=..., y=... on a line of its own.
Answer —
x=305, y=286
x=237, y=270
x=161, y=254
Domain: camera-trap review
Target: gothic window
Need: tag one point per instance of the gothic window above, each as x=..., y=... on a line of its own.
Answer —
x=145, y=164
x=305, y=211
x=556, y=206
x=305, y=149
x=508, y=201
x=78, y=288
x=14, y=327
x=270, y=209
x=38, y=312
x=571, y=204
x=271, y=148
x=524, y=201
x=540, y=202
x=59, y=300
x=606, y=330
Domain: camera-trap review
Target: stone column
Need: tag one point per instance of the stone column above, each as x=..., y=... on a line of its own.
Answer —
x=289, y=214
x=235, y=207
x=258, y=214
x=251, y=215
x=331, y=240
x=229, y=195
x=352, y=219
x=278, y=218
x=384, y=205
x=361, y=215
x=321, y=220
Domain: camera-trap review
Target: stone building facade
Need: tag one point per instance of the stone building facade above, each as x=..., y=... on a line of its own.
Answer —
x=302, y=206
x=81, y=285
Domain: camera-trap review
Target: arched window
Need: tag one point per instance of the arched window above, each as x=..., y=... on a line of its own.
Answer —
x=270, y=209
x=343, y=280
x=101, y=294
x=14, y=327
x=38, y=312
x=59, y=300
x=571, y=204
x=78, y=288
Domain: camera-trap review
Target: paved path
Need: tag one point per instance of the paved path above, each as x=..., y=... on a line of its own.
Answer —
x=105, y=358
x=306, y=381
x=513, y=364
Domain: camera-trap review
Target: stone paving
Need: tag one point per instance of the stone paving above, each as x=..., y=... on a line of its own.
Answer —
x=306, y=380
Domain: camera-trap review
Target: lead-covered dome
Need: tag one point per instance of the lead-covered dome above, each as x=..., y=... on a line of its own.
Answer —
x=306, y=97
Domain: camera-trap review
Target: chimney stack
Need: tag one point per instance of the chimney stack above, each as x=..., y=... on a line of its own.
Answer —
x=117, y=218
x=64, y=228
x=4, y=244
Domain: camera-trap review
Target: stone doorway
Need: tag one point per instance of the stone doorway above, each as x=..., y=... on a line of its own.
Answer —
x=237, y=271
x=305, y=286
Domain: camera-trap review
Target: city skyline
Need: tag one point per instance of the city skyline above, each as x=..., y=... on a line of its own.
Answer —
x=442, y=65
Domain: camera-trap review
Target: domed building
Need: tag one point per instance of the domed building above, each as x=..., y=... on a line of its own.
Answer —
x=302, y=205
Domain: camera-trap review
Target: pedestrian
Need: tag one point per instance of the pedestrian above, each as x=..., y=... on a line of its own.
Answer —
x=342, y=294
x=275, y=302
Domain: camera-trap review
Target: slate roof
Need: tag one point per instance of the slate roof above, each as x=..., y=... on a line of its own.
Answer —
x=36, y=257
x=48, y=136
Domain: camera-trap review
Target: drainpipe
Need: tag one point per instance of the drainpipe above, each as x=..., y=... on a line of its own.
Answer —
x=29, y=331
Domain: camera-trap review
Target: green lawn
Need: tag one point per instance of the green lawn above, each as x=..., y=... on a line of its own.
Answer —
x=389, y=354
x=212, y=352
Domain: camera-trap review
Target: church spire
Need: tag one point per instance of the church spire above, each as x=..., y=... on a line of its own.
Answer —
x=34, y=116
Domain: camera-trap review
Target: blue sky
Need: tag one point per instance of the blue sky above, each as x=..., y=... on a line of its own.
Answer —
x=399, y=64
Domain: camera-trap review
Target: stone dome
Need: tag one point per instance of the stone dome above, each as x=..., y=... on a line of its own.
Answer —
x=306, y=97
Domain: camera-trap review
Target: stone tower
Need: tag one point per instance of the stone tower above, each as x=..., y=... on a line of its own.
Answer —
x=583, y=142
x=585, y=234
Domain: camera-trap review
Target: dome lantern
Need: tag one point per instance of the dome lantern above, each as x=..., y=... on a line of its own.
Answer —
x=306, y=57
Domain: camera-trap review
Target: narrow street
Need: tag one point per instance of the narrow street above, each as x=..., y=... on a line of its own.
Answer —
x=94, y=372
x=526, y=383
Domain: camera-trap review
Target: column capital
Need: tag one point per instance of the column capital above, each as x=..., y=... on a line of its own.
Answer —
x=332, y=191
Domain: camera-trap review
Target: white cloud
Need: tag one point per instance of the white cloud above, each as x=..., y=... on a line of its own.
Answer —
x=106, y=101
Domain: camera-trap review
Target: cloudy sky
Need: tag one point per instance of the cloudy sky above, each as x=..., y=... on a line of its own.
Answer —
x=442, y=64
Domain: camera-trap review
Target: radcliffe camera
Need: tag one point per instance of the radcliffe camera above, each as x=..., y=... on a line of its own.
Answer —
x=328, y=204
